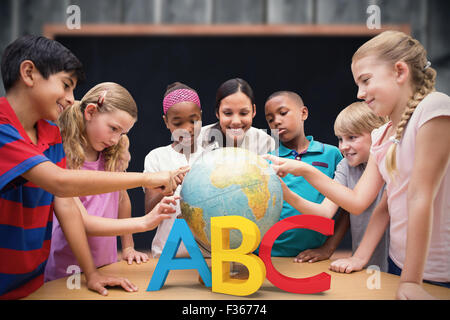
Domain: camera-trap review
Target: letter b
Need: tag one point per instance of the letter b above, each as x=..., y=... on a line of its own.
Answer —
x=222, y=255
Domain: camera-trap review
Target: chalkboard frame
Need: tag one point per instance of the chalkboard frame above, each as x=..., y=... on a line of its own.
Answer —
x=53, y=30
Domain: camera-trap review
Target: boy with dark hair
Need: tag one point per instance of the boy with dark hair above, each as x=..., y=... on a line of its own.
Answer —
x=39, y=76
x=286, y=113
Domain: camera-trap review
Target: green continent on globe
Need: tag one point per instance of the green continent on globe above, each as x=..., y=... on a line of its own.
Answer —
x=249, y=178
x=194, y=217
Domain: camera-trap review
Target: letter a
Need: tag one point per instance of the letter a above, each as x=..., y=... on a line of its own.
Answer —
x=374, y=281
x=74, y=20
x=374, y=20
x=167, y=261
x=222, y=255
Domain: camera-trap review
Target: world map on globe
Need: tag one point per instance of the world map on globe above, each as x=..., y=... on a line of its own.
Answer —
x=228, y=182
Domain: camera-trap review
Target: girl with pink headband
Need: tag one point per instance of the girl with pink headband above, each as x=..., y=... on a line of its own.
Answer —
x=183, y=117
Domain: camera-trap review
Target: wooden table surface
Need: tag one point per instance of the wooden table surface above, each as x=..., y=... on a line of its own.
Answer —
x=185, y=285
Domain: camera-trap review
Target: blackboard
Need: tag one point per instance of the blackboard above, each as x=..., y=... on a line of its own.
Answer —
x=316, y=67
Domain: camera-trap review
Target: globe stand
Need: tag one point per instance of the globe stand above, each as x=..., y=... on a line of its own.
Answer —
x=238, y=271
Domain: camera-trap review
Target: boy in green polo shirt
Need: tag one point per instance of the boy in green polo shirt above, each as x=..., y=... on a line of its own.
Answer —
x=285, y=114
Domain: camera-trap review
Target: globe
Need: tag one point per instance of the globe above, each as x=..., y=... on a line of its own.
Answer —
x=228, y=182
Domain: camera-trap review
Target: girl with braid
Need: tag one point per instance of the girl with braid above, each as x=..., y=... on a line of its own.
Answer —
x=410, y=153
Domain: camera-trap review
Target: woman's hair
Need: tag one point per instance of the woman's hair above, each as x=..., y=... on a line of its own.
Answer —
x=358, y=119
x=232, y=86
x=107, y=97
x=391, y=47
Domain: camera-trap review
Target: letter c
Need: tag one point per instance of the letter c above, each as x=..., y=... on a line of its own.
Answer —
x=318, y=283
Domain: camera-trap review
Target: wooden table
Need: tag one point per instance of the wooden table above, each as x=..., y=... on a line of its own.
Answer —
x=184, y=285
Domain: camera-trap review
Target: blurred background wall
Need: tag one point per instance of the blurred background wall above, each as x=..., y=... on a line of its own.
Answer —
x=427, y=20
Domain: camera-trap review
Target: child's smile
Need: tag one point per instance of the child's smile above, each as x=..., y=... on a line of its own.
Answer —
x=355, y=148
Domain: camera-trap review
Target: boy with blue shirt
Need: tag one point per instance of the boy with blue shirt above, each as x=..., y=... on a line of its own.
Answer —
x=285, y=113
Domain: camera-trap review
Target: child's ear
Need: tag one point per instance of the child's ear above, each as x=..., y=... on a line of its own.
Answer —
x=253, y=111
x=401, y=70
x=166, y=121
x=27, y=71
x=89, y=111
x=305, y=113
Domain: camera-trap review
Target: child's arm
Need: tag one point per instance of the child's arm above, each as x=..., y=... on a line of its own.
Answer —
x=431, y=161
x=71, y=183
x=152, y=197
x=99, y=226
x=354, y=201
x=72, y=225
x=128, y=252
x=375, y=229
x=326, y=208
x=330, y=245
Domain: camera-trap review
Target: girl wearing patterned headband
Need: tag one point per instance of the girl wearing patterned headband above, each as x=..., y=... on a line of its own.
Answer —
x=94, y=134
x=235, y=110
x=183, y=117
x=395, y=79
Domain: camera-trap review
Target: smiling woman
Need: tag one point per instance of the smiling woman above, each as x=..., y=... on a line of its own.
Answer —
x=235, y=110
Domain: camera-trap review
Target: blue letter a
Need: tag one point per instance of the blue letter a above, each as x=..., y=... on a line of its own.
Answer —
x=168, y=261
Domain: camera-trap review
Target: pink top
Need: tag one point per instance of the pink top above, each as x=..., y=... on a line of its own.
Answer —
x=103, y=249
x=437, y=266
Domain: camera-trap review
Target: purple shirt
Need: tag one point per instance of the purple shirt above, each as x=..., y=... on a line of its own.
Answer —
x=103, y=249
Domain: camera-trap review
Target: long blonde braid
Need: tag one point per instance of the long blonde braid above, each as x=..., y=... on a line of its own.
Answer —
x=394, y=46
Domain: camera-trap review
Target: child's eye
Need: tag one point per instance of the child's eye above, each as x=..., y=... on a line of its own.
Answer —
x=283, y=113
x=114, y=129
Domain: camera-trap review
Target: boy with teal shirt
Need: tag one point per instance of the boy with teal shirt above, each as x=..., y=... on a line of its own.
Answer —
x=285, y=114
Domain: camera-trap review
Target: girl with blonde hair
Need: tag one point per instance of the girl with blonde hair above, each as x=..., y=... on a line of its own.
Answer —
x=94, y=132
x=410, y=154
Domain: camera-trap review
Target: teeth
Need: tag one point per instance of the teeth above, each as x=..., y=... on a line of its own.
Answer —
x=236, y=132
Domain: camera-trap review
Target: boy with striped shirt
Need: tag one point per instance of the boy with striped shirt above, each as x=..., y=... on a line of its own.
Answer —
x=39, y=76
